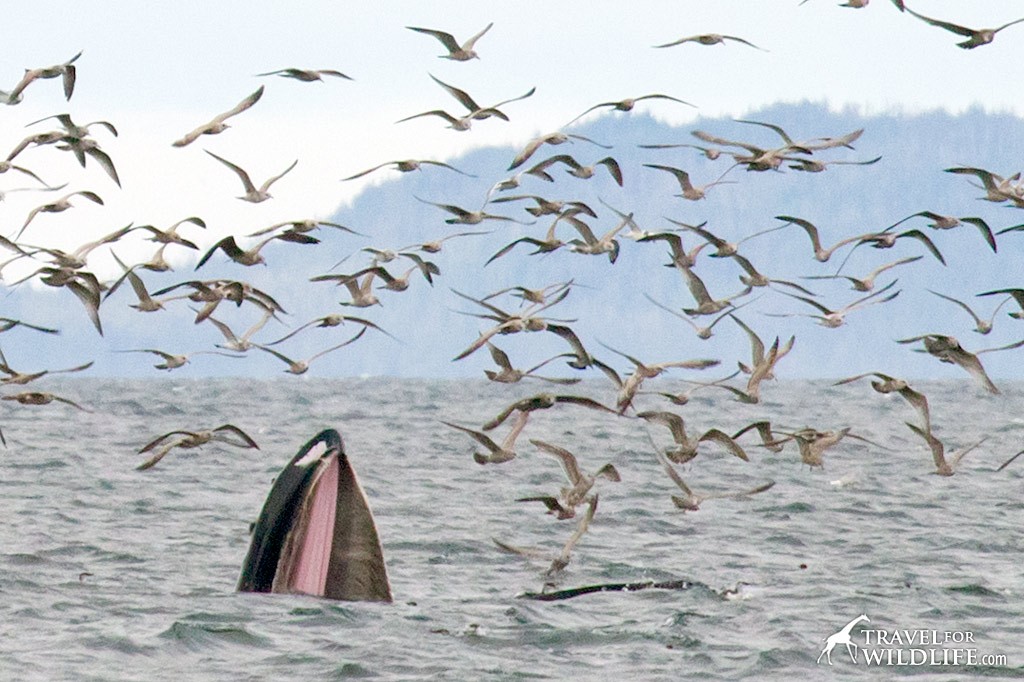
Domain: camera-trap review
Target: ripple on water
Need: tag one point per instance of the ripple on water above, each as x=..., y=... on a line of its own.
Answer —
x=196, y=636
x=977, y=591
x=166, y=548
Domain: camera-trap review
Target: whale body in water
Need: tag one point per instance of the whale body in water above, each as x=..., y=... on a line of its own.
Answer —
x=316, y=533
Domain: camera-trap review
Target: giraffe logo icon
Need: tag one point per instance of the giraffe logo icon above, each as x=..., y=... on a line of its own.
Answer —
x=842, y=637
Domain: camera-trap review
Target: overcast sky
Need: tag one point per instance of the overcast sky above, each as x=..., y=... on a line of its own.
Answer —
x=158, y=69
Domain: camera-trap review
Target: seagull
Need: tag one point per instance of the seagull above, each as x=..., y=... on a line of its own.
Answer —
x=252, y=194
x=683, y=397
x=709, y=153
x=680, y=257
x=975, y=36
x=459, y=123
x=456, y=52
x=629, y=386
x=689, y=191
x=174, y=361
x=508, y=323
x=948, y=349
x=753, y=278
x=40, y=398
x=546, y=245
x=1016, y=294
x=212, y=292
x=759, y=360
x=391, y=282
x=580, y=483
x=496, y=453
x=539, y=296
x=723, y=248
x=305, y=75
x=814, y=443
x=815, y=166
x=302, y=366
x=36, y=140
x=76, y=260
x=981, y=326
x=465, y=217
x=942, y=466
x=757, y=158
x=16, y=378
x=703, y=333
x=157, y=262
x=407, y=166
x=293, y=228
x=62, y=204
x=401, y=282
x=361, y=292
x=554, y=138
x=886, y=240
x=217, y=125
x=562, y=560
x=146, y=304
x=836, y=318
x=577, y=169
x=510, y=375
x=867, y=283
x=820, y=254
x=543, y=401
x=89, y=147
x=475, y=110
x=65, y=71
x=76, y=134
x=692, y=501
x=710, y=39
x=225, y=433
x=331, y=320
x=887, y=384
x=759, y=372
x=547, y=206
x=997, y=188
x=7, y=165
x=808, y=146
x=860, y=4
x=170, y=235
x=685, y=448
x=705, y=304
x=82, y=284
x=240, y=344
x=591, y=245
x=251, y=256
x=764, y=430
x=7, y=324
x=627, y=105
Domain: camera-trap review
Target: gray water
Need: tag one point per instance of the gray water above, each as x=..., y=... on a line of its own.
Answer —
x=875, y=532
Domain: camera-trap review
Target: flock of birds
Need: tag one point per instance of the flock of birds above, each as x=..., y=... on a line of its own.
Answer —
x=570, y=226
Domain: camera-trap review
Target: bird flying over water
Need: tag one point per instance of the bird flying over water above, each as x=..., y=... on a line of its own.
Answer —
x=253, y=195
x=456, y=52
x=217, y=124
x=305, y=75
x=976, y=37
x=710, y=39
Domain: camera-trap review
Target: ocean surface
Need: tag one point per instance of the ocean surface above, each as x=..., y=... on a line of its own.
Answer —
x=108, y=573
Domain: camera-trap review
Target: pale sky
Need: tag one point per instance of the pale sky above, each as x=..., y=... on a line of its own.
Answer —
x=158, y=69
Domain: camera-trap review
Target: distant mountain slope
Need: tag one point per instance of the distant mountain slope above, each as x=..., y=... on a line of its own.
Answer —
x=610, y=306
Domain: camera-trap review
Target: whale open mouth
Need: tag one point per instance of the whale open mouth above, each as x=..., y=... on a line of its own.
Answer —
x=316, y=533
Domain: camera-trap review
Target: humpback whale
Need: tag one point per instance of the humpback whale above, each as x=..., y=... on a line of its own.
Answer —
x=316, y=533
